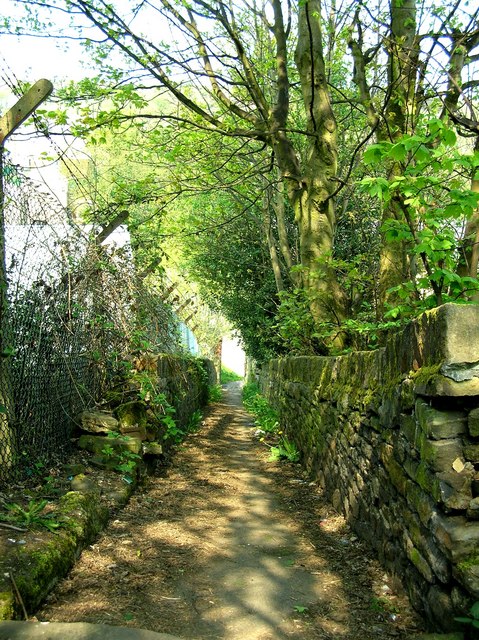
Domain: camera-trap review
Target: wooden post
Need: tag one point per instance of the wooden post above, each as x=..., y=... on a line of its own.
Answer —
x=9, y=122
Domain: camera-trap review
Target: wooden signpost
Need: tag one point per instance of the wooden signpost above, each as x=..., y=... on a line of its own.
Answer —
x=24, y=108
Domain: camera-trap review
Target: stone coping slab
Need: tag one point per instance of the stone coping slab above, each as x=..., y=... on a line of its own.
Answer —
x=19, y=630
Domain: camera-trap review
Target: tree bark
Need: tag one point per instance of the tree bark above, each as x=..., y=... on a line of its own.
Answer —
x=312, y=200
x=270, y=239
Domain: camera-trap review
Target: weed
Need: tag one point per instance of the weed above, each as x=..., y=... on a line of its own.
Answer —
x=382, y=605
x=301, y=609
x=227, y=375
x=195, y=421
x=124, y=461
x=173, y=431
x=267, y=418
x=473, y=618
x=215, y=393
x=31, y=516
x=284, y=450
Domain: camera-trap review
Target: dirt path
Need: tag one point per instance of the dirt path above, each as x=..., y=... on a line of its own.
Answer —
x=225, y=545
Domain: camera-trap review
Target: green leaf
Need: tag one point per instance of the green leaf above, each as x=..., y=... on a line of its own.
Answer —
x=375, y=153
x=449, y=137
x=398, y=152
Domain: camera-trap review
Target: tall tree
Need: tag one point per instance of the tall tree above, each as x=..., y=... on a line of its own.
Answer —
x=419, y=85
x=272, y=76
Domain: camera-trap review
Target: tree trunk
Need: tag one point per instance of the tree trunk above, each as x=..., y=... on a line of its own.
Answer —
x=469, y=259
x=270, y=239
x=400, y=119
x=313, y=204
x=279, y=210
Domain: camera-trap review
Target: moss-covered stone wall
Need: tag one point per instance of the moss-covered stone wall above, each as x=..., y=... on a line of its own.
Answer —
x=185, y=383
x=393, y=436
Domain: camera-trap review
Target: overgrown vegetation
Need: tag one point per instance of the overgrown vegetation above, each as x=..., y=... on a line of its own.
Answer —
x=347, y=197
x=266, y=418
x=33, y=515
x=227, y=375
x=267, y=423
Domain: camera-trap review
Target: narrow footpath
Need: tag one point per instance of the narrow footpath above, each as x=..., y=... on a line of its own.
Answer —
x=222, y=544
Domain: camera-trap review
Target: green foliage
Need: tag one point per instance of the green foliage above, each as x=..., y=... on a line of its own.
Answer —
x=433, y=195
x=300, y=608
x=215, y=393
x=194, y=421
x=473, y=618
x=284, y=450
x=382, y=605
x=297, y=332
x=266, y=418
x=173, y=431
x=227, y=375
x=123, y=460
x=32, y=516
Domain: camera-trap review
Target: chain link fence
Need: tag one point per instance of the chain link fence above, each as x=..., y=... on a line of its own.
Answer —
x=75, y=310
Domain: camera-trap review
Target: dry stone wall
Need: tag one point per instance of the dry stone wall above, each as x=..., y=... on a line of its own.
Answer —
x=393, y=436
x=185, y=383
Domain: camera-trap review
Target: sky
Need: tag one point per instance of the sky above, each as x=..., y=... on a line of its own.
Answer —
x=30, y=59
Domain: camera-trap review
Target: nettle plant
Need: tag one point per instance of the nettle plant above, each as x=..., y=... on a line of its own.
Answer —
x=430, y=186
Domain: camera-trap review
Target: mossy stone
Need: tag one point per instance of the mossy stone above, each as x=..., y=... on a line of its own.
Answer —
x=131, y=414
x=7, y=604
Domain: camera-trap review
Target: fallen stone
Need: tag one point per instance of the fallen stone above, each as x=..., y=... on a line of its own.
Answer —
x=152, y=448
x=98, y=422
x=84, y=484
x=96, y=444
x=19, y=630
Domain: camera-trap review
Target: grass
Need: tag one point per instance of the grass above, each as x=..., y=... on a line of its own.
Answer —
x=227, y=375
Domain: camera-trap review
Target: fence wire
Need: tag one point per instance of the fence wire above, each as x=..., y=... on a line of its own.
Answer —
x=75, y=310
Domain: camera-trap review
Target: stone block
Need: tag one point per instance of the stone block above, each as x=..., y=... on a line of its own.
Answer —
x=473, y=423
x=418, y=560
x=135, y=431
x=132, y=414
x=439, y=385
x=396, y=473
x=421, y=539
x=455, y=489
x=98, y=422
x=467, y=574
x=458, y=538
x=84, y=484
x=441, y=454
x=96, y=444
x=410, y=428
x=420, y=502
x=471, y=452
x=442, y=609
x=439, y=424
x=420, y=473
x=152, y=448
x=407, y=395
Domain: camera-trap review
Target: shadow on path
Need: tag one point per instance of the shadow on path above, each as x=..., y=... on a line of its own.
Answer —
x=227, y=546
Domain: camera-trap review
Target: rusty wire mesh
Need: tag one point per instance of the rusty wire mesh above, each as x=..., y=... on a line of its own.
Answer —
x=75, y=310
